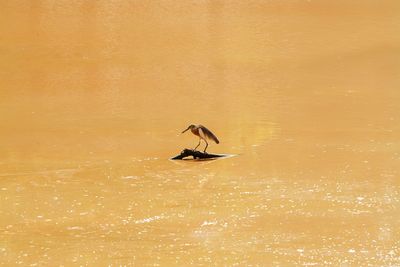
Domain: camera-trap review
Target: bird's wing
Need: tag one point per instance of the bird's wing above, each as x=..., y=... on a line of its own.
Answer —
x=204, y=132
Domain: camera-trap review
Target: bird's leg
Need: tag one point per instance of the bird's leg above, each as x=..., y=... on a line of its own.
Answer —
x=197, y=145
x=206, y=146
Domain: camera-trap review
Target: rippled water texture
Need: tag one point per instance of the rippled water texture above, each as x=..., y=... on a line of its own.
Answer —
x=94, y=95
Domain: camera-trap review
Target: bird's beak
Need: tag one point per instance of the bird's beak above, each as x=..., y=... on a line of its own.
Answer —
x=186, y=129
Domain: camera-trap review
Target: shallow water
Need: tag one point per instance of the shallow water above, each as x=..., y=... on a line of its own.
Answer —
x=93, y=96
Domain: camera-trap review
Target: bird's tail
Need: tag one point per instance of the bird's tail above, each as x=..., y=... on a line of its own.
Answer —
x=210, y=135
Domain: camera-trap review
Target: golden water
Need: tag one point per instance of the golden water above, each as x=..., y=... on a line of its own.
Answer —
x=94, y=94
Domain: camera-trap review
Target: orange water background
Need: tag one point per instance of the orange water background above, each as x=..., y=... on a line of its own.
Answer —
x=94, y=94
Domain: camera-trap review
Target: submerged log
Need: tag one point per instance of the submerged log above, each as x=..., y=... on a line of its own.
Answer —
x=196, y=155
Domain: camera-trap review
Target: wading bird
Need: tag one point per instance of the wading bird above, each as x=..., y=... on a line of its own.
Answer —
x=203, y=133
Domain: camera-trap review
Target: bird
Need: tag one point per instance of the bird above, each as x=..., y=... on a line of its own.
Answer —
x=203, y=133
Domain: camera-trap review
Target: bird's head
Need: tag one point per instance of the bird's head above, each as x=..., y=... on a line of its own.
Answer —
x=190, y=127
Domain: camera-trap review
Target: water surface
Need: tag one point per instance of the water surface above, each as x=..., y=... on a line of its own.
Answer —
x=94, y=94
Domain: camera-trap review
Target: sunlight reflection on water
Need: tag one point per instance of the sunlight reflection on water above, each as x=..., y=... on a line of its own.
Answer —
x=95, y=94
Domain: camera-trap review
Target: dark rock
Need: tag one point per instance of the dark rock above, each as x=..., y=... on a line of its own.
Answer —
x=195, y=154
